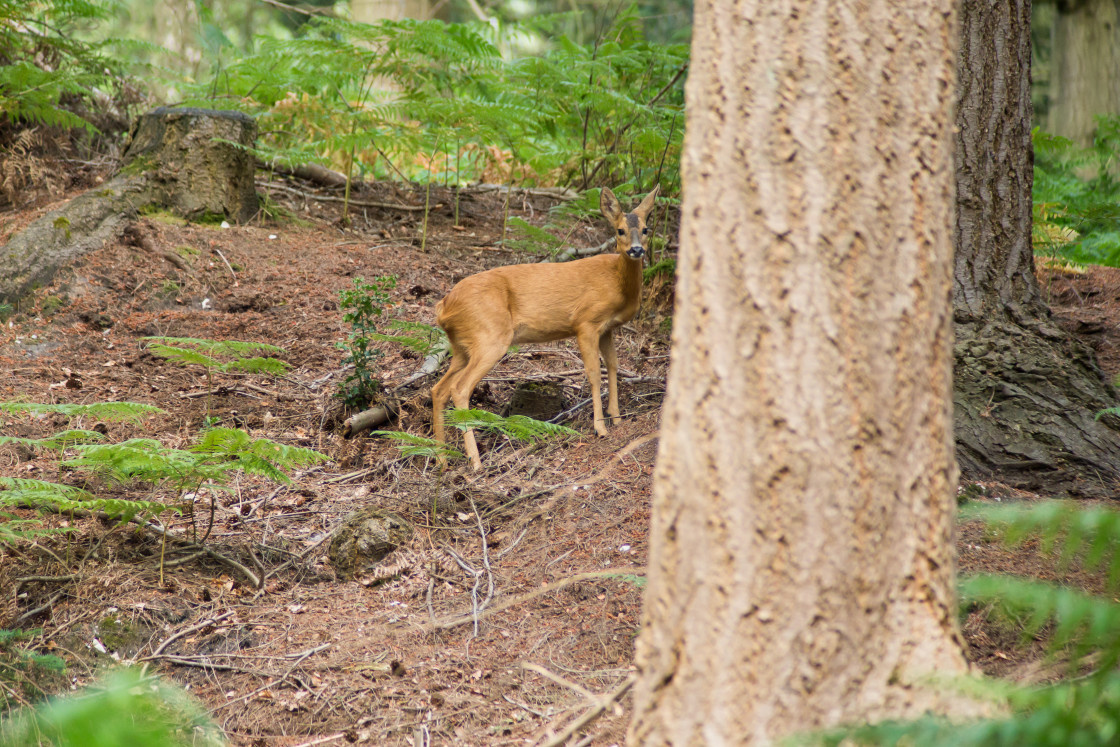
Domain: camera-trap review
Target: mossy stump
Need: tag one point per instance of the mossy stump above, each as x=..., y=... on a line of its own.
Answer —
x=192, y=164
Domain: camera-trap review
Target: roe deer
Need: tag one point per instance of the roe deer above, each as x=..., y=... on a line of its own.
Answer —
x=486, y=313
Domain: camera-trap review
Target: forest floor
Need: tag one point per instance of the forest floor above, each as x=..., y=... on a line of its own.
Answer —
x=515, y=604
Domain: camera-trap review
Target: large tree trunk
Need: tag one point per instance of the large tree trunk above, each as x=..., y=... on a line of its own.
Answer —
x=177, y=160
x=1025, y=392
x=1085, y=67
x=801, y=567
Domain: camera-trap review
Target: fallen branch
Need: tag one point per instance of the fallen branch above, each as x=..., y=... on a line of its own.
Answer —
x=557, y=193
x=186, y=631
x=253, y=579
x=452, y=622
x=271, y=683
x=591, y=714
x=311, y=172
x=585, y=251
x=381, y=413
x=353, y=203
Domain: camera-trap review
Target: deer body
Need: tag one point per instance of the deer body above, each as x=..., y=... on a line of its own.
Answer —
x=587, y=299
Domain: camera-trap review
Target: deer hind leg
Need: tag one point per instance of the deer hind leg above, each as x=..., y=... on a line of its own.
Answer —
x=610, y=357
x=484, y=356
x=441, y=392
x=588, y=339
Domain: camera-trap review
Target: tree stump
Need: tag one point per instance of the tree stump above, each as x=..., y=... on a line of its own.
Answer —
x=181, y=160
x=192, y=165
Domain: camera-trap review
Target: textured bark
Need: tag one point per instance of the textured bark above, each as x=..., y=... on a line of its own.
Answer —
x=1025, y=393
x=174, y=161
x=801, y=565
x=1085, y=71
x=192, y=171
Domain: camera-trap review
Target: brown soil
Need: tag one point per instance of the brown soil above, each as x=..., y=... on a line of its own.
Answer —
x=516, y=598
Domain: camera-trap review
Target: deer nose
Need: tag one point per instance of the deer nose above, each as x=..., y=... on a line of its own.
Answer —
x=636, y=251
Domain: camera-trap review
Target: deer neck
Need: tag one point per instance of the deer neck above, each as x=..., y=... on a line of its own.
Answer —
x=630, y=277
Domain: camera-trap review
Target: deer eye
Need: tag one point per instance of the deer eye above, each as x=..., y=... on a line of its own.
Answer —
x=622, y=232
x=645, y=231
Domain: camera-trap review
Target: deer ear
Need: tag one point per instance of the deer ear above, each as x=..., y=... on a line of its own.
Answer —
x=609, y=204
x=647, y=204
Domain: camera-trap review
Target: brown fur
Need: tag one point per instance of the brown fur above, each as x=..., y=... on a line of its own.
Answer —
x=587, y=299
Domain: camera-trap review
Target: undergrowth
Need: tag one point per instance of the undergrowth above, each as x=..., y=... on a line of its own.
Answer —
x=125, y=708
x=449, y=103
x=1077, y=196
x=1078, y=628
x=362, y=307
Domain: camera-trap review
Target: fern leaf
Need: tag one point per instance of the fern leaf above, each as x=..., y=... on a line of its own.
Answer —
x=59, y=440
x=59, y=497
x=1080, y=620
x=111, y=411
x=260, y=456
x=186, y=356
x=517, y=427
x=273, y=366
x=1092, y=533
x=412, y=445
x=17, y=490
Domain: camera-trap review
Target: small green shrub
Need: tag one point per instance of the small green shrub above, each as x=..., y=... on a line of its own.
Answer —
x=362, y=307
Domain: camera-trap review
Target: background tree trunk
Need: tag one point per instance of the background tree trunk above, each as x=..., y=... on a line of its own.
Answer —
x=372, y=11
x=1025, y=392
x=801, y=569
x=1085, y=67
x=176, y=161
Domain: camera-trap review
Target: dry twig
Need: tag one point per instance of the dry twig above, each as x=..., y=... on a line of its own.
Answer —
x=590, y=715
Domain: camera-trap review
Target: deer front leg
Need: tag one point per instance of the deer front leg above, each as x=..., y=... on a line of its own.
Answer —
x=610, y=357
x=589, y=350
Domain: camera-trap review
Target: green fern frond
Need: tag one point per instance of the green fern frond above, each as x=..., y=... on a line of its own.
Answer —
x=110, y=411
x=517, y=427
x=147, y=460
x=210, y=353
x=531, y=239
x=58, y=441
x=218, y=347
x=14, y=530
x=431, y=338
x=411, y=445
x=59, y=497
x=257, y=456
x=186, y=356
x=271, y=366
x=1080, y=621
x=1092, y=533
x=19, y=490
x=130, y=707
